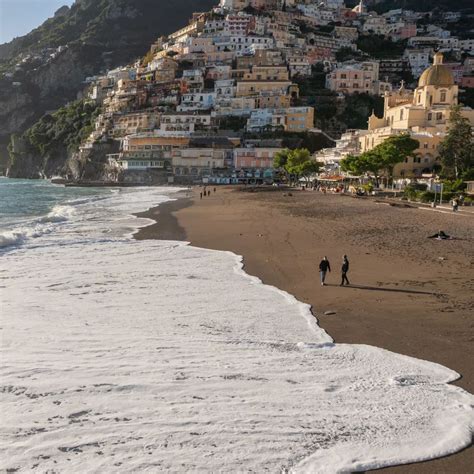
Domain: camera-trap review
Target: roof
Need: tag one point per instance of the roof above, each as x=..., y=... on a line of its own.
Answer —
x=210, y=142
x=437, y=75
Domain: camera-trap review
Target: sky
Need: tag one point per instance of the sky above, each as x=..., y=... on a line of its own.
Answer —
x=18, y=17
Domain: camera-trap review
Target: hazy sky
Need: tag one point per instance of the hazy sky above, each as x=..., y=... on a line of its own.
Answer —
x=18, y=17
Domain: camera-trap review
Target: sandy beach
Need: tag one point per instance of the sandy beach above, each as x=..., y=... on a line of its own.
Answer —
x=408, y=294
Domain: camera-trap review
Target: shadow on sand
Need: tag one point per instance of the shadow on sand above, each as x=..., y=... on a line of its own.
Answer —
x=381, y=288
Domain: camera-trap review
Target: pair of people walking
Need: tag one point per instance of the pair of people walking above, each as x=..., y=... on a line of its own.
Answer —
x=325, y=267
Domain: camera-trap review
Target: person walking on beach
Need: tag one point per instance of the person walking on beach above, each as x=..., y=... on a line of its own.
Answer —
x=344, y=270
x=324, y=267
x=455, y=204
x=200, y=194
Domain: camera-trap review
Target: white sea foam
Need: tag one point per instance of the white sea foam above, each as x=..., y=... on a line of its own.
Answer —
x=121, y=355
x=9, y=238
x=87, y=218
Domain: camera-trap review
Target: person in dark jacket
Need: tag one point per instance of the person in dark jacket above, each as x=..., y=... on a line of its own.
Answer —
x=324, y=267
x=344, y=270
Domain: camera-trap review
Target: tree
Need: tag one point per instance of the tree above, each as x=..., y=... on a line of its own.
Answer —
x=296, y=163
x=280, y=161
x=394, y=150
x=368, y=162
x=456, y=151
x=300, y=164
x=308, y=168
x=384, y=156
x=352, y=164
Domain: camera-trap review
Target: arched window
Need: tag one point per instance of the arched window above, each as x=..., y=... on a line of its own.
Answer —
x=443, y=96
x=401, y=114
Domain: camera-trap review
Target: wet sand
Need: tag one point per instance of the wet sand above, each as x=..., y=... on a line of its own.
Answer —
x=409, y=294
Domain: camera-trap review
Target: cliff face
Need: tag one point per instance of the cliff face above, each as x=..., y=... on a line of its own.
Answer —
x=46, y=69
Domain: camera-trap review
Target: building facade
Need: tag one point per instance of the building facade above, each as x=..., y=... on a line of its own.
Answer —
x=423, y=113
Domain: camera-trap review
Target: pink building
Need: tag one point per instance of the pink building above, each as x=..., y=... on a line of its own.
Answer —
x=251, y=158
x=406, y=31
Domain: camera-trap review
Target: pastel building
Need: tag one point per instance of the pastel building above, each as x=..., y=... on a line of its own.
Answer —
x=259, y=161
x=195, y=162
x=424, y=114
x=196, y=101
x=357, y=78
x=292, y=119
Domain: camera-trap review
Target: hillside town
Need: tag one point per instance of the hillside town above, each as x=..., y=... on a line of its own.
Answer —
x=215, y=101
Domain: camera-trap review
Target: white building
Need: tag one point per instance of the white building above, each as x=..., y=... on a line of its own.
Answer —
x=197, y=101
x=348, y=144
x=418, y=59
x=466, y=45
x=182, y=122
x=225, y=88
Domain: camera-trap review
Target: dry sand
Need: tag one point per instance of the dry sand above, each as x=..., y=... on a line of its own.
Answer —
x=409, y=294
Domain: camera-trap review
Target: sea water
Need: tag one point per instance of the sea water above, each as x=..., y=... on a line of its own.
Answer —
x=121, y=355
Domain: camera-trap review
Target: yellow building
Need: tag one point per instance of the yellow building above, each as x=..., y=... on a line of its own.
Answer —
x=273, y=101
x=299, y=119
x=152, y=141
x=267, y=73
x=424, y=114
x=251, y=88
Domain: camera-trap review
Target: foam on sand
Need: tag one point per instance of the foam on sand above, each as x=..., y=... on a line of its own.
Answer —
x=150, y=356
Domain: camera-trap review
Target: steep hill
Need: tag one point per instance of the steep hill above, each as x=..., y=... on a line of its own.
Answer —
x=46, y=68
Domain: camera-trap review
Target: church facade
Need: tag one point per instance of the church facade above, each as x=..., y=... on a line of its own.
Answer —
x=423, y=113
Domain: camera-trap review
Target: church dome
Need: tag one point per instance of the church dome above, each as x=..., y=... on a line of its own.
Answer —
x=437, y=75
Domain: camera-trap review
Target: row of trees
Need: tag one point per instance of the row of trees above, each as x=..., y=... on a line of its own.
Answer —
x=456, y=152
x=382, y=158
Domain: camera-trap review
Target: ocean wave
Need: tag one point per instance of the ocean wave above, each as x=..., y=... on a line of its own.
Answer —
x=87, y=200
x=9, y=239
x=58, y=214
x=37, y=228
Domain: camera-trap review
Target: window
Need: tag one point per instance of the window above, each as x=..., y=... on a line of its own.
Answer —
x=443, y=96
x=425, y=145
x=401, y=114
x=439, y=116
x=430, y=116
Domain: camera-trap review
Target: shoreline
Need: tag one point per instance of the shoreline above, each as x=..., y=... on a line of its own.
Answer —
x=255, y=225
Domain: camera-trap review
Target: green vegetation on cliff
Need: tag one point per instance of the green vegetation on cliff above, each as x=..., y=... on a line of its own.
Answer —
x=96, y=35
x=45, y=146
x=115, y=24
x=66, y=128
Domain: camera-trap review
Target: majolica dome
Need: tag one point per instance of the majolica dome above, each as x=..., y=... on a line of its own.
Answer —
x=437, y=75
